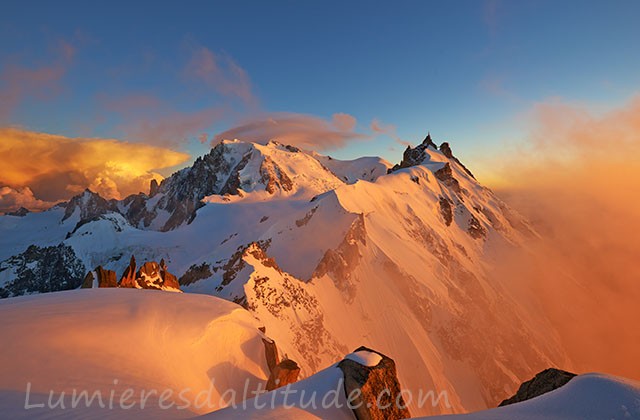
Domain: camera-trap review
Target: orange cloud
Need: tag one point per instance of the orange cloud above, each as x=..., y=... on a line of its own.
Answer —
x=574, y=131
x=222, y=73
x=301, y=130
x=14, y=198
x=387, y=129
x=55, y=168
x=344, y=122
x=577, y=179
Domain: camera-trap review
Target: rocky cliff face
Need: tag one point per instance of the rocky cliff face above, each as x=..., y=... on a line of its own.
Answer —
x=41, y=270
x=88, y=206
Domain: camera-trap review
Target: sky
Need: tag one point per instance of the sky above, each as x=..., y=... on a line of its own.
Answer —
x=169, y=79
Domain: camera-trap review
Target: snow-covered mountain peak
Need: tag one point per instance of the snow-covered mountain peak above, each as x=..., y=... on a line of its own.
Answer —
x=88, y=205
x=305, y=242
x=428, y=153
x=235, y=170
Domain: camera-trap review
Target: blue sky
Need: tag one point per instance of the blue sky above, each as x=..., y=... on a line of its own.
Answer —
x=465, y=70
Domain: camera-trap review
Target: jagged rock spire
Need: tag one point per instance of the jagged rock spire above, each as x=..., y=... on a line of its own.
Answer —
x=153, y=187
x=128, y=278
x=428, y=141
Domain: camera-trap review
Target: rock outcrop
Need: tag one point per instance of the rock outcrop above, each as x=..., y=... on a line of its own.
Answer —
x=87, y=283
x=341, y=262
x=284, y=373
x=445, y=175
x=151, y=275
x=543, y=382
x=21, y=212
x=372, y=387
x=195, y=273
x=273, y=177
x=41, y=270
x=271, y=353
x=106, y=278
x=445, y=149
x=88, y=205
x=445, y=210
x=168, y=279
x=153, y=187
x=475, y=229
x=129, y=277
x=281, y=373
x=415, y=156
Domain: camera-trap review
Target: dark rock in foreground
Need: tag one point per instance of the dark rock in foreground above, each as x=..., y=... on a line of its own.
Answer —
x=373, y=391
x=543, y=382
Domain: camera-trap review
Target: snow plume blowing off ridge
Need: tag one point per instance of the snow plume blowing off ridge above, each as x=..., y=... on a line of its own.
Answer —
x=578, y=183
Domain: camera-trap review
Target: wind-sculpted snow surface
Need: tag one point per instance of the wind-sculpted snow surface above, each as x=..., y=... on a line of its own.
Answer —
x=331, y=255
x=124, y=344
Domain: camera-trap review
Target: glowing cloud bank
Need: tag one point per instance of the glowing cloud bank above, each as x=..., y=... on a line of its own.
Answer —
x=577, y=181
x=41, y=167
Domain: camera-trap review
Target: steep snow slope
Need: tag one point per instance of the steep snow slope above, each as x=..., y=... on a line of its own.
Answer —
x=392, y=261
x=109, y=340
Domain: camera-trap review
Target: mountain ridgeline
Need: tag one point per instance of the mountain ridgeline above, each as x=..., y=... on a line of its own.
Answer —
x=328, y=254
